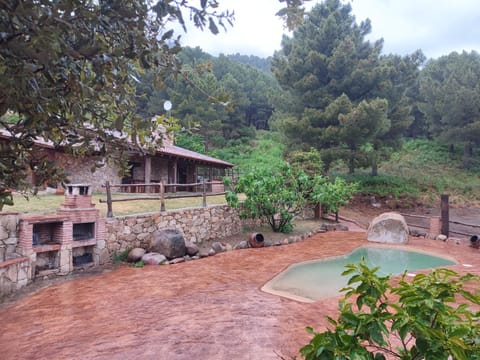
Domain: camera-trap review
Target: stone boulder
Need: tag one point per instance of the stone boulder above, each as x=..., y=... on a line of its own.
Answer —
x=388, y=228
x=169, y=242
x=135, y=254
x=218, y=247
x=191, y=248
x=334, y=227
x=154, y=258
x=241, y=245
x=203, y=253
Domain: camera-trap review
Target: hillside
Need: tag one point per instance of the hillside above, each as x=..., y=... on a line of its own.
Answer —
x=434, y=170
x=417, y=174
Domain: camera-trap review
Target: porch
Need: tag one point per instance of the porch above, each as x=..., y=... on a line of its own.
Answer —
x=177, y=169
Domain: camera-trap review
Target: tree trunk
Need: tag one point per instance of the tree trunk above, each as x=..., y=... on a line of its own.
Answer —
x=374, y=163
x=318, y=211
x=206, y=139
x=351, y=165
x=467, y=155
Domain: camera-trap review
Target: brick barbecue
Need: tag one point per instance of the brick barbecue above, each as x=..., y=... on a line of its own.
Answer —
x=56, y=243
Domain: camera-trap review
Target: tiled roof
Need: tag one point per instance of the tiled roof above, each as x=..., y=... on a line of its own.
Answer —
x=184, y=153
x=171, y=150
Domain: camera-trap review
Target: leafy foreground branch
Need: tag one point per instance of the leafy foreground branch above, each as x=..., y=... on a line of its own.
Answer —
x=414, y=319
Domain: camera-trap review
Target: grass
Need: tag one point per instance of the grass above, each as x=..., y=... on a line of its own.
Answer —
x=435, y=171
x=419, y=173
x=49, y=203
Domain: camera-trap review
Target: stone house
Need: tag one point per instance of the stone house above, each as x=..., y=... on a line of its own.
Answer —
x=169, y=164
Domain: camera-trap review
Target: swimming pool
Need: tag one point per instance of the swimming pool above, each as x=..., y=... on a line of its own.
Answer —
x=320, y=279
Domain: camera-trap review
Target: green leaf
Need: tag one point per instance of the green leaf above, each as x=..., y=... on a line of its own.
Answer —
x=168, y=35
x=212, y=26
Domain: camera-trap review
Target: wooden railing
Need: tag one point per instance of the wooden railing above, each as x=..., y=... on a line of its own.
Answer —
x=157, y=188
x=447, y=226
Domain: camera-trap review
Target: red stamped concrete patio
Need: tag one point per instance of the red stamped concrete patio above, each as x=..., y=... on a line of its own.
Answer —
x=205, y=309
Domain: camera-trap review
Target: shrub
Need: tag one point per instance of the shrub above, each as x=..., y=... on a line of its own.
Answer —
x=120, y=257
x=277, y=197
x=385, y=185
x=333, y=194
x=273, y=197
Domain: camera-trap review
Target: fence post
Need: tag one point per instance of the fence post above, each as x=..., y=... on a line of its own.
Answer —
x=204, y=194
x=162, y=197
x=445, y=215
x=109, y=200
x=318, y=211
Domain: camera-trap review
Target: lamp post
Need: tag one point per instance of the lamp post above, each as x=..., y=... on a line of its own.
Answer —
x=167, y=106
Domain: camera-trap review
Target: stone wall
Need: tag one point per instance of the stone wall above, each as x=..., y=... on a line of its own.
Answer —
x=197, y=225
x=80, y=171
x=115, y=235
x=14, y=274
x=8, y=235
x=14, y=268
x=159, y=170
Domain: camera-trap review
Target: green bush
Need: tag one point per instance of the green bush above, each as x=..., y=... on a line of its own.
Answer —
x=385, y=185
x=333, y=194
x=265, y=151
x=414, y=319
x=275, y=197
x=120, y=257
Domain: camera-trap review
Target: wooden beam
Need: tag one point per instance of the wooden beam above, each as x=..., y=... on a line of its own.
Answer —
x=175, y=175
x=148, y=171
x=445, y=214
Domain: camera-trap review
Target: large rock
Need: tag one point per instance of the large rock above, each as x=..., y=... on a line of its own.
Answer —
x=241, y=245
x=135, y=254
x=169, y=242
x=218, y=247
x=191, y=248
x=388, y=228
x=154, y=258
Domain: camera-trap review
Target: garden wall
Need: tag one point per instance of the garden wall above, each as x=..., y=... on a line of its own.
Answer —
x=122, y=233
x=197, y=224
x=14, y=268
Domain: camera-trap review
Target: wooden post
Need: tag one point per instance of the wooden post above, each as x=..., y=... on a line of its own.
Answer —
x=109, y=200
x=204, y=194
x=445, y=215
x=175, y=175
x=318, y=211
x=162, y=197
x=148, y=173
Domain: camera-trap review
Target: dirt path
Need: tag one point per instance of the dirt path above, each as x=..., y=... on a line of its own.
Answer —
x=364, y=213
x=206, y=309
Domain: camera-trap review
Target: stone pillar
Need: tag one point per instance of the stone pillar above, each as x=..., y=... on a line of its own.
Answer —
x=24, y=275
x=8, y=234
x=100, y=251
x=65, y=259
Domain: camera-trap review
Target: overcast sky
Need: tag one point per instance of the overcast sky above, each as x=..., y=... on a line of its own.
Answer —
x=438, y=27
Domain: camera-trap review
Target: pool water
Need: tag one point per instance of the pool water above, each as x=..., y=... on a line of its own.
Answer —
x=319, y=279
